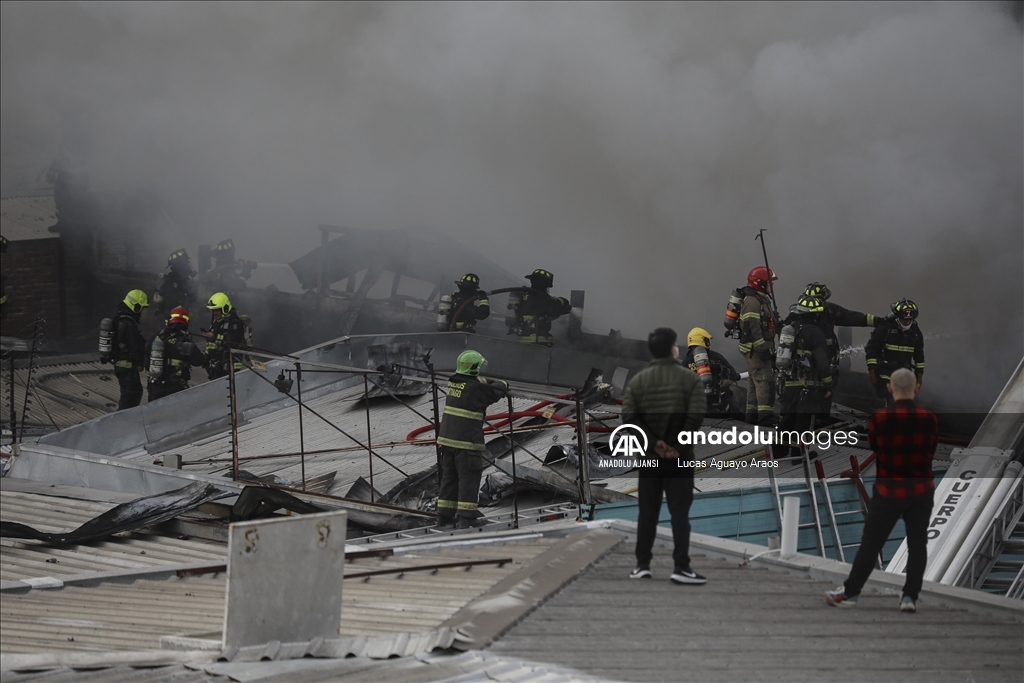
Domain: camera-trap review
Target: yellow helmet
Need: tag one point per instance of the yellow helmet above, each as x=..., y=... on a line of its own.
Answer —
x=219, y=302
x=136, y=300
x=698, y=336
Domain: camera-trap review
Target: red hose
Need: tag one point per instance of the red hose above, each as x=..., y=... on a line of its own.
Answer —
x=502, y=419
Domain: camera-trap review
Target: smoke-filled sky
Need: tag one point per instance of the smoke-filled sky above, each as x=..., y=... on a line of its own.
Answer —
x=632, y=149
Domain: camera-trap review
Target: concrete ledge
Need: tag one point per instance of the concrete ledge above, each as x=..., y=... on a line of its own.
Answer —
x=824, y=569
x=157, y=573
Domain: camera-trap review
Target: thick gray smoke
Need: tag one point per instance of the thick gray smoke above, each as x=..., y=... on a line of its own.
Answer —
x=634, y=150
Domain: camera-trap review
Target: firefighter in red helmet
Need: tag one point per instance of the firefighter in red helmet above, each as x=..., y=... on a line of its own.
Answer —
x=172, y=355
x=757, y=344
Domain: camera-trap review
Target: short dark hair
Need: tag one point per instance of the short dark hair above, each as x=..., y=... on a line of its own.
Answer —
x=661, y=341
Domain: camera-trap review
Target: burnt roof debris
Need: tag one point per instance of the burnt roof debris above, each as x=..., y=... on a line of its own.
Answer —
x=419, y=253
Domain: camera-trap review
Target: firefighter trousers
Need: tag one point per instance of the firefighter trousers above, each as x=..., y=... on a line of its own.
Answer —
x=760, y=389
x=131, y=387
x=460, y=483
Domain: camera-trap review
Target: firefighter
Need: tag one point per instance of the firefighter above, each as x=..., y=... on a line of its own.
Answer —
x=537, y=309
x=129, y=348
x=723, y=374
x=228, y=275
x=897, y=343
x=757, y=344
x=479, y=309
x=175, y=286
x=177, y=359
x=228, y=330
x=837, y=316
x=807, y=378
x=462, y=441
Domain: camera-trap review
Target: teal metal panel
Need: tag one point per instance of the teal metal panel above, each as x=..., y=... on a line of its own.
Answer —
x=747, y=514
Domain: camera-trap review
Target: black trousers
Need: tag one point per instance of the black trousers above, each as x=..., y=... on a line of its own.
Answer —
x=131, y=387
x=882, y=517
x=460, y=482
x=801, y=409
x=679, y=493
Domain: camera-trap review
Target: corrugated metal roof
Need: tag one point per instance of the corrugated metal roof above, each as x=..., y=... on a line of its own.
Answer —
x=27, y=218
x=30, y=559
x=425, y=668
x=66, y=394
x=113, y=617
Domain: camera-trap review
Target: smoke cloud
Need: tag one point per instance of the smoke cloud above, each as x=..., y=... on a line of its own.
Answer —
x=632, y=149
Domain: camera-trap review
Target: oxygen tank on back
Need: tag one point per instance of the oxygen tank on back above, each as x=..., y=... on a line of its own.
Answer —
x=703, y=363
x=787, y=346
x=732, y=313
x=106, y=344
x=444, y=309
x=156, y=359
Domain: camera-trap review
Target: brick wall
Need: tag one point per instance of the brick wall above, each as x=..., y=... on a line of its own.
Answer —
x=31, y=278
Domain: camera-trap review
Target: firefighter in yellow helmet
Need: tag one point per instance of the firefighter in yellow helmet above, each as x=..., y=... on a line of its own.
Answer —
x=129, y=348
x=715, y=371
x=228, y=330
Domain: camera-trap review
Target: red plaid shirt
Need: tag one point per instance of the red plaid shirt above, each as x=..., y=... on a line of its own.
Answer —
x=904, y=439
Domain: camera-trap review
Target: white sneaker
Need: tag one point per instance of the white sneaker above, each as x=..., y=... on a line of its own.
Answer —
x=641, y=572
x=687, y=576
x=907, y=604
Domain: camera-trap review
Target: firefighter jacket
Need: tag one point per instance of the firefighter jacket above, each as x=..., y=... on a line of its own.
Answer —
x=129, y=352
x=663, y=399
x=811, y=365
x=462, y=425
x=228, y=331
x=536, y=311
x=229, y=278
x=891, y=348
x=174, y=287
x=180, y=354
x=837, y=316
x=478, y=310
x=757, y=324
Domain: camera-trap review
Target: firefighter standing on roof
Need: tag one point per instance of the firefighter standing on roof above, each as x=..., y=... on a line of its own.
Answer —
x=805, y=371
x=898, y=343
x=227, y=330
x=757, y=344
x=172, y=359
x=716, y=373
x=537, y=309
x=462, y=441
x=174, y=286
x=837, y=316
x=478, y=309
x=129, y=348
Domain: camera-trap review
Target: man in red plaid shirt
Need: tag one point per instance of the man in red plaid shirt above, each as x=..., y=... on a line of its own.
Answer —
x=904, y=438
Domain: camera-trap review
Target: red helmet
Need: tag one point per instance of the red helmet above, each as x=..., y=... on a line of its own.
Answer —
x=759, y=276
x=179, y=316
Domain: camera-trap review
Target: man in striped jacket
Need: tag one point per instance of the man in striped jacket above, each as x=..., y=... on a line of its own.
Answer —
x=462, y=441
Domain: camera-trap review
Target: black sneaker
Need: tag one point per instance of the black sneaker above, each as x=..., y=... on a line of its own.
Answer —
x=687, y=576
x=641, y=572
